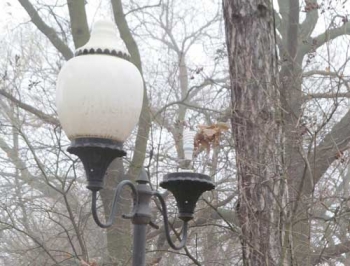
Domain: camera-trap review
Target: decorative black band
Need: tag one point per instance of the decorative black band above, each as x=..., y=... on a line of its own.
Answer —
x=97, y=143
x=189, y=177
x=113, y=52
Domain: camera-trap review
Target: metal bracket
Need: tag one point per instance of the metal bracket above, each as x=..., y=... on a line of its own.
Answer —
x=112, y=216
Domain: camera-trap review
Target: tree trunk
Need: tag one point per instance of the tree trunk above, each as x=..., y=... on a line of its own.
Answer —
x=119, y=234
x=255, y=126
x=297, y=174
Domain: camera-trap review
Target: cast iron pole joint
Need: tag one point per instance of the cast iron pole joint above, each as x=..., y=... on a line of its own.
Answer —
x=141, y=213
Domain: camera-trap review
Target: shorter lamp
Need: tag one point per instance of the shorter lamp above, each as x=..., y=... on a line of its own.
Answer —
x=99, y=100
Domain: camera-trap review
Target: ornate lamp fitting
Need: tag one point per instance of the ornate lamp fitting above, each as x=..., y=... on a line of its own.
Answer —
x=104, y=40
x=187, y=187
x=96, y=155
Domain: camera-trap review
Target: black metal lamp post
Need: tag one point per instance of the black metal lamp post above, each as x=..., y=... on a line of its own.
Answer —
x=99, y=99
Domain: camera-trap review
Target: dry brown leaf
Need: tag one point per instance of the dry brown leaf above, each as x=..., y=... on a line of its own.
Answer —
x=84, y=263
x=208, y=136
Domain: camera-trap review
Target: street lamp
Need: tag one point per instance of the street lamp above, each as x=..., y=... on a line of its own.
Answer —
x=99, y=100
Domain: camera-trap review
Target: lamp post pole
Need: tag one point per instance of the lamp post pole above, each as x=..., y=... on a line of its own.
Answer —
x=141, y=219
x=139, y=245
x=100, y=86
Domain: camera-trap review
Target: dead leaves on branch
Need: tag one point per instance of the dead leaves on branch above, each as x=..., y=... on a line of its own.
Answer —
x=208, y=136
x=84, y=263
x=311, y=5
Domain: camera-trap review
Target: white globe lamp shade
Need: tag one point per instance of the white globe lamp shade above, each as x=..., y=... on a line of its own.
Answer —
x=99, y=92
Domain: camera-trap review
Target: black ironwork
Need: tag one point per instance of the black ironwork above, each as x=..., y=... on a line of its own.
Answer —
x=112, y=52
x=166, y=225
x=187, y=187
x=96, y=155
x=141, y=215
x=113, y=213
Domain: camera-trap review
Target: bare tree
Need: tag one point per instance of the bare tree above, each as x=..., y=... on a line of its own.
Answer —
x=281, y=154
x=188, y=85
x=288, y=110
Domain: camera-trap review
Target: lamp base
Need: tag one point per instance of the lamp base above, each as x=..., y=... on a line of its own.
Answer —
x=96, y=154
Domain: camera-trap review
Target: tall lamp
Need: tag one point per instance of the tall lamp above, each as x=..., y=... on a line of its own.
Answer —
x=99, y=100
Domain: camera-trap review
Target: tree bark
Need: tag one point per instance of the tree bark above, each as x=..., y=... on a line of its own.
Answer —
x=145, y=117
x=78, y=22
x=119, y=235
x=256, y=130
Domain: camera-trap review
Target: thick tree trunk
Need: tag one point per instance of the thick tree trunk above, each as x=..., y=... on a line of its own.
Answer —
x=255, y=125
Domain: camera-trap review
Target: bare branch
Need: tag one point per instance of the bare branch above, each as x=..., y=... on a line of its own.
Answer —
x=125, y=33
x=190, y=94
x=327, y=151
x=49, y=32
x=308, y=25
x=320, y=72
x=330, y=74
x=197, y=33
x=209, y=81
x=145, y=117
x=35, y=239
x=44, y=117
x=330, y=252
x=143, y=7
x=327, y=95
x=327, y=36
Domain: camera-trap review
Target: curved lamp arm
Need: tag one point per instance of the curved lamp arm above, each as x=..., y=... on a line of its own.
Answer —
x=118, y=191
x=166, y=225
